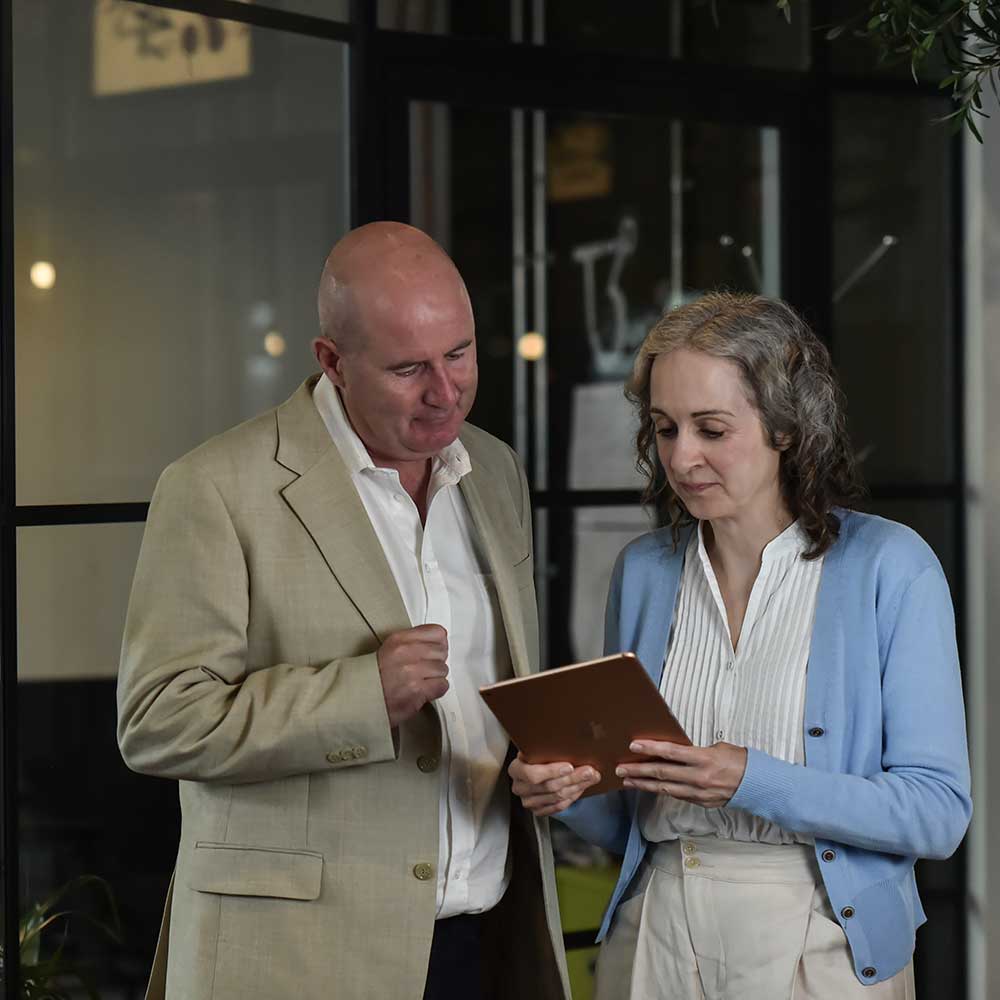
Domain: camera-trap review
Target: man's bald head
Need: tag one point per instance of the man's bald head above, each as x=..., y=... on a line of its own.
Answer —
x=381, y=270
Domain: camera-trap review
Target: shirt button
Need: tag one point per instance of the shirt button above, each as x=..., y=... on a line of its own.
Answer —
x=719, y=734
x=816, y=731
x=689, y=848
x=847, y=912
x=691, y=862
x=869, y=973
x=423, y=871
x=427, y=763
x=430, y=565
x=730, y=665
x=828, y=855
x=398, y=497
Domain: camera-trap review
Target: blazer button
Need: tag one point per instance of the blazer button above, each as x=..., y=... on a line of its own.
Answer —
x=829, y=855
x=847, y=912
x=869, y=973
x=359, y=753
x=427, y=763
x=423, y=871
x=333, y=757
x=816, y=731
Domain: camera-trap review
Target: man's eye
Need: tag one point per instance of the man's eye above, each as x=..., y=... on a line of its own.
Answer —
x=456, y=356
x=407, y=372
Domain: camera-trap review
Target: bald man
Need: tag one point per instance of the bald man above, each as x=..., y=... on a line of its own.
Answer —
x=320, y=593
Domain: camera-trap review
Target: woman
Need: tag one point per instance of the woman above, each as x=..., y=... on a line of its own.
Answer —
x=809, y=652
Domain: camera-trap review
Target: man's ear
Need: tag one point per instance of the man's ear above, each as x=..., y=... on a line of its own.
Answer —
x=329, y=357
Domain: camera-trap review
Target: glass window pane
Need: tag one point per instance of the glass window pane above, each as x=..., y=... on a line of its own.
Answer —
x=332, y=10
x=597, y=223
x=81, y=811
x=483, y=19
x=894, y=342
x=597, y=535
x=171, y=221
x=855, y=56
x=747, y=32
x=73, y=581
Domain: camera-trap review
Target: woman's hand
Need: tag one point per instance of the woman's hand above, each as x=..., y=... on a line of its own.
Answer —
x=706, y=776
x=549, y=788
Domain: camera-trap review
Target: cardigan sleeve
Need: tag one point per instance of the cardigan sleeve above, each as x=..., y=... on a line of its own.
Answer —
x=918, y=804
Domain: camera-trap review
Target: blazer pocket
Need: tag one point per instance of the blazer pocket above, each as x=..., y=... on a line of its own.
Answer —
x=241, y=870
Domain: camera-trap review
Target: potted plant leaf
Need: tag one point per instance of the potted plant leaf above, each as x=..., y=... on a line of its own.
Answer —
x=48, y=974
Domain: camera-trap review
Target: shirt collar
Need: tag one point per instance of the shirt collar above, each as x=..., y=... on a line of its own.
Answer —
x=451, y=463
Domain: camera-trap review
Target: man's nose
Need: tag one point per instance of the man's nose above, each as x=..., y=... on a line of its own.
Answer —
x=442, y=391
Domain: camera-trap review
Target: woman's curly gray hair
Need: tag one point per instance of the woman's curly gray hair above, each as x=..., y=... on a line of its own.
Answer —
x=789, y=380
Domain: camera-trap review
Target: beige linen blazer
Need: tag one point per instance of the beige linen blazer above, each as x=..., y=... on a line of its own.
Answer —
x=309, y=837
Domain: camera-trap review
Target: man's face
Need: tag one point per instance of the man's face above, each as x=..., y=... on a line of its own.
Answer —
x=410, y=380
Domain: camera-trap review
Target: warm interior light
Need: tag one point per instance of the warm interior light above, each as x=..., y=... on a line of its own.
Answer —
x=274, y=344
x=43, y=274
x=531, y=346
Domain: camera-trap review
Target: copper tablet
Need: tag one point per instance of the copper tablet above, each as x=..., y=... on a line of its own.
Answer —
x=586, y=713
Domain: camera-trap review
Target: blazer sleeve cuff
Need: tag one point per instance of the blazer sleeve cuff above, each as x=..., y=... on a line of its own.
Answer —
x=358, y=731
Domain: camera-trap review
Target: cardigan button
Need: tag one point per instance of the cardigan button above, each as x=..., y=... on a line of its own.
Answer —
x=816, y=731
x=869, y=972
x=828, y=855
x=847, y=912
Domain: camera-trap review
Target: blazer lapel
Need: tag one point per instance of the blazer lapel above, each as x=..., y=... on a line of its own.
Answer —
x=324, y=499
x=490, y=517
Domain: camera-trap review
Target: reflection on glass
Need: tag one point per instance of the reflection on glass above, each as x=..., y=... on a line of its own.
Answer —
x=855, y=56
x=332, y=10
x=893, y=337
x=482, y=19
x=80, y=810
x=184, y=178
x=73, y=581
x=745, y=32
x=600, y=533
x=596, y=224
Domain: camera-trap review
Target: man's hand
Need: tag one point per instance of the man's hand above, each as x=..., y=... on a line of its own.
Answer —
x=414, y=668
x=545, y=789
x=706, y=776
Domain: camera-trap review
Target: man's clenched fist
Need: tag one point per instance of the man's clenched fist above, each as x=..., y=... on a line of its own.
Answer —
x=414, y=668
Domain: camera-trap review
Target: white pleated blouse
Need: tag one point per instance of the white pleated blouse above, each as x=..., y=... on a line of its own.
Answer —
x=753, y=696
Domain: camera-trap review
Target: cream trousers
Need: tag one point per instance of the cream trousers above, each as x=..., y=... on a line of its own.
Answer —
x=720, y=920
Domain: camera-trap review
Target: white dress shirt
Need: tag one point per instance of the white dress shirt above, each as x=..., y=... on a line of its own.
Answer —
x=443, y=578
x=752, y=696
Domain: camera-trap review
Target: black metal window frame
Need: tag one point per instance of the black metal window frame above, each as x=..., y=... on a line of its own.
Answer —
x=387, y=70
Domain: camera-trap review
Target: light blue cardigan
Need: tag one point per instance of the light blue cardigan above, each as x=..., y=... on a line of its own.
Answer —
x=886, y=778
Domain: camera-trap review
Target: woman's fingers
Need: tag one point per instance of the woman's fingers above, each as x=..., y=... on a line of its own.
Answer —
x=708, y=776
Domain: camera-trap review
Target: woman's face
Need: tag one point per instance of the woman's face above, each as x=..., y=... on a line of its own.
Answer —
x=711, y=442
